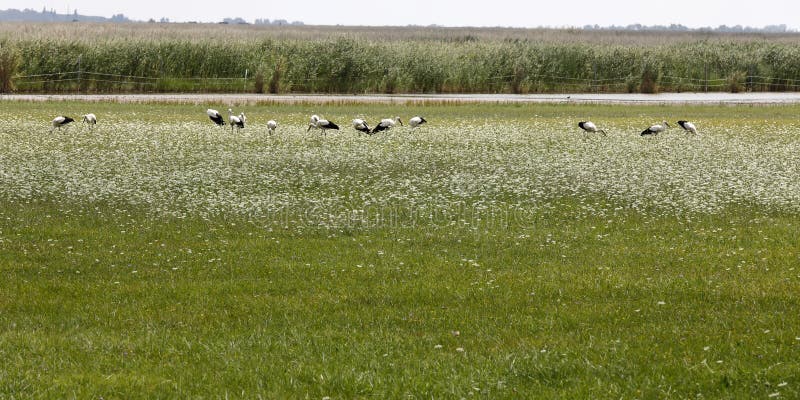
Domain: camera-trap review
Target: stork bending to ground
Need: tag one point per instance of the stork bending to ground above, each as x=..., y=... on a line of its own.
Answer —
x=589, y=126
x=361, y=126
x=324, y=124
x=387, y=123
x=416, y=121
x=688, y=126
x=271, y=125
x=215, y=116
x=60, y=121
x=90, y=119
x=655, y=129
x=312, y=122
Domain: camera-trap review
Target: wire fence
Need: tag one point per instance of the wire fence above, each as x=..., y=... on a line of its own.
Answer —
x=109, y=82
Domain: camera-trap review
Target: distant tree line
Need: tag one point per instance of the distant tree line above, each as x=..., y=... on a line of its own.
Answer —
x=30, y=15
x=681, y=28
x=262, y=21
x=277, y=22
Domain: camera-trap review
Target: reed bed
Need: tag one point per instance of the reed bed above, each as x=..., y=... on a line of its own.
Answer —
x=222, y=58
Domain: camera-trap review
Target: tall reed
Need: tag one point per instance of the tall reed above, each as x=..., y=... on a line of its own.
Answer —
x=9, y=62
x=394, y=60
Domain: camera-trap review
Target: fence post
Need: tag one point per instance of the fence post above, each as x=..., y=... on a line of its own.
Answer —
x=79, y=71
x=594, y=80
x=244, y=87
x=705, y=76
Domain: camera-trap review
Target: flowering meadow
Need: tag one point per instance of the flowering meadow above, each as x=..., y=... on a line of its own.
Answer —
x=497, y=251
x=192, y=168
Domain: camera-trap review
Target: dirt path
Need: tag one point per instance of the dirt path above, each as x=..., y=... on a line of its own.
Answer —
x=663, y=98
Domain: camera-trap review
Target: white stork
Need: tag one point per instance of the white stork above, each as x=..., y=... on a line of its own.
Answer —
x=271, y=125
x=60, y=121
x=215, y=116
x=688, y=126
x=589, y=126
x=324, y=124
x=90, y=119
x=236, y=121
x=656, y=129
x=313, y=122
x=387, y=123
x=416, y=121
x=361, y=126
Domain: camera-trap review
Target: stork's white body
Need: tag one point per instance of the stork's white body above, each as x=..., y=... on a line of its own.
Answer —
x=324, y=124
x=90, y=119
x=60, y=121
x=656, y=129
x=589, y=126
x=271, y=125
x=236, y=122
x=361, y=125
x=215, y=116
x=688, y=126
x=387, y=123
x=416, y=121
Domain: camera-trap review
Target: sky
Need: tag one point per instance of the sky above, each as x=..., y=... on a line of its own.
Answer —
x=511, y=13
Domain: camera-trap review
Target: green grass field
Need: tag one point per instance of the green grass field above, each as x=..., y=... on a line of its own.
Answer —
x=496, y=252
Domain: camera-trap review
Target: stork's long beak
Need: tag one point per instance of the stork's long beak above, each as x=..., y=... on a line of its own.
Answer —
x=309, y=127
x=400, y=121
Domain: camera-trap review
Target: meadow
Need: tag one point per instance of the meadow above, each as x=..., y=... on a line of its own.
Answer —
x=89, y=58
x=497, y=252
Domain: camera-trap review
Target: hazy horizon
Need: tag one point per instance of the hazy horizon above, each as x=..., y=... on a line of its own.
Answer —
x=505, y=13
